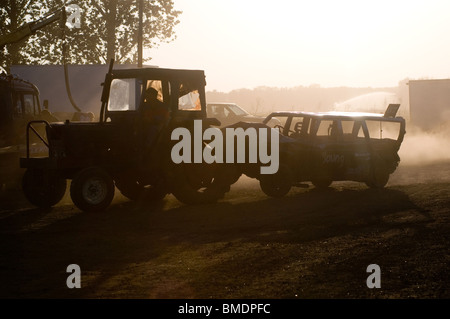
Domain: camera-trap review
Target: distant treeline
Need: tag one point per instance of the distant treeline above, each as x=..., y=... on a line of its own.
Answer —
x=263, y=100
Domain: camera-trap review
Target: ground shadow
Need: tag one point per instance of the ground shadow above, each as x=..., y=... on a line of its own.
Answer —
x=147, y=233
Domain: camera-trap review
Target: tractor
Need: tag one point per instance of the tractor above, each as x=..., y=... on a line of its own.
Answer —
x=123, y=150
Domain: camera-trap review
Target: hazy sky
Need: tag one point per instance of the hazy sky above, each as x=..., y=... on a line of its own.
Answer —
x=286, y=43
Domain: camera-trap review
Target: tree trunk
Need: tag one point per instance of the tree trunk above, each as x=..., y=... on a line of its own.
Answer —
x=14, y=48
x=111, y=30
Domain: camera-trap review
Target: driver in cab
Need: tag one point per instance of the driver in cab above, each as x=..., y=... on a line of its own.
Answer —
x=154, y=112
x=154, y=115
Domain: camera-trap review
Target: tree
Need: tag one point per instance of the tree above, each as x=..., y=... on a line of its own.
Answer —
x=109, y=29
x=13, y=13
x=120, y=21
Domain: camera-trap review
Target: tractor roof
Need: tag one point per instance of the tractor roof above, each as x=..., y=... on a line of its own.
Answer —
x=161, y=74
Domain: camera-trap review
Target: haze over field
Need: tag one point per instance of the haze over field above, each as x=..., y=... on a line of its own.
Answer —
x=316, y=56
x=287, y=43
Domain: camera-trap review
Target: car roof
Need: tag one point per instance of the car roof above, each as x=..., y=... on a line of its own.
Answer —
x=220, y=103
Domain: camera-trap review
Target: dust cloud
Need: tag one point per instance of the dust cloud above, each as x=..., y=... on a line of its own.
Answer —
x=425, y=147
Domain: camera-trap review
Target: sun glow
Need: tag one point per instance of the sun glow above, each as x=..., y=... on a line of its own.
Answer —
x=288, y=43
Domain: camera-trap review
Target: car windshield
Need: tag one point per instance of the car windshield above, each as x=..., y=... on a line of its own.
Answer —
x=237, y=110
x=383, y=129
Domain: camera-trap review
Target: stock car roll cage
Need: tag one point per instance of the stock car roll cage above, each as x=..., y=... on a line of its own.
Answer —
x=312, y=121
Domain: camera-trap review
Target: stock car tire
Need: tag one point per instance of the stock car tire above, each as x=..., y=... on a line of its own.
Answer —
x=92, y=189
x=278, y=184
x=380, y=176
x=43, y=189
x=379, y=181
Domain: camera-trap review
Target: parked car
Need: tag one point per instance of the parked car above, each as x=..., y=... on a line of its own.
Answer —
x=231, y=113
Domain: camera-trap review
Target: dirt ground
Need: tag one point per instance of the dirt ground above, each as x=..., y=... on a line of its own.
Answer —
x=311, y=244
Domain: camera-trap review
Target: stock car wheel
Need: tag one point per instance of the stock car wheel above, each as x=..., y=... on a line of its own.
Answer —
x=92, y=189
x=43, y=188
x=278, y=184
x=379, y=180
x=380, y=176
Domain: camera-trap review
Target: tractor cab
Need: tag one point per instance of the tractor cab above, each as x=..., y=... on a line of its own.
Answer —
x=19, y=103
x=181, y=92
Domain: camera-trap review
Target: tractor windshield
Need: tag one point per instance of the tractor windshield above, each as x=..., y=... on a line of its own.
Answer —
x=122, y=96
x=189, y=97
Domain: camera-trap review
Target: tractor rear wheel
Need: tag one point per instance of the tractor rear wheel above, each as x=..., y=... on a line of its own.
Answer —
x=135, y=190
x=129, y=188
x=322, y=183
x=192, y=185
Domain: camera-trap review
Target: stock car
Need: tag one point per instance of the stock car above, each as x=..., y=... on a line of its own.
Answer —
x=324, y=147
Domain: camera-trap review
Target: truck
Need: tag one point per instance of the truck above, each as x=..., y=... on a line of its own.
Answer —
x=20, y=103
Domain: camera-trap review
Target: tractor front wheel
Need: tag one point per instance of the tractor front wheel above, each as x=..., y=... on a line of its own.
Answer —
x=92, y=189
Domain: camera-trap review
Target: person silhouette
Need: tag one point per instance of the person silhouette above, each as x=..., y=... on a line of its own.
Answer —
x=154, y=112
x=155, y=116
